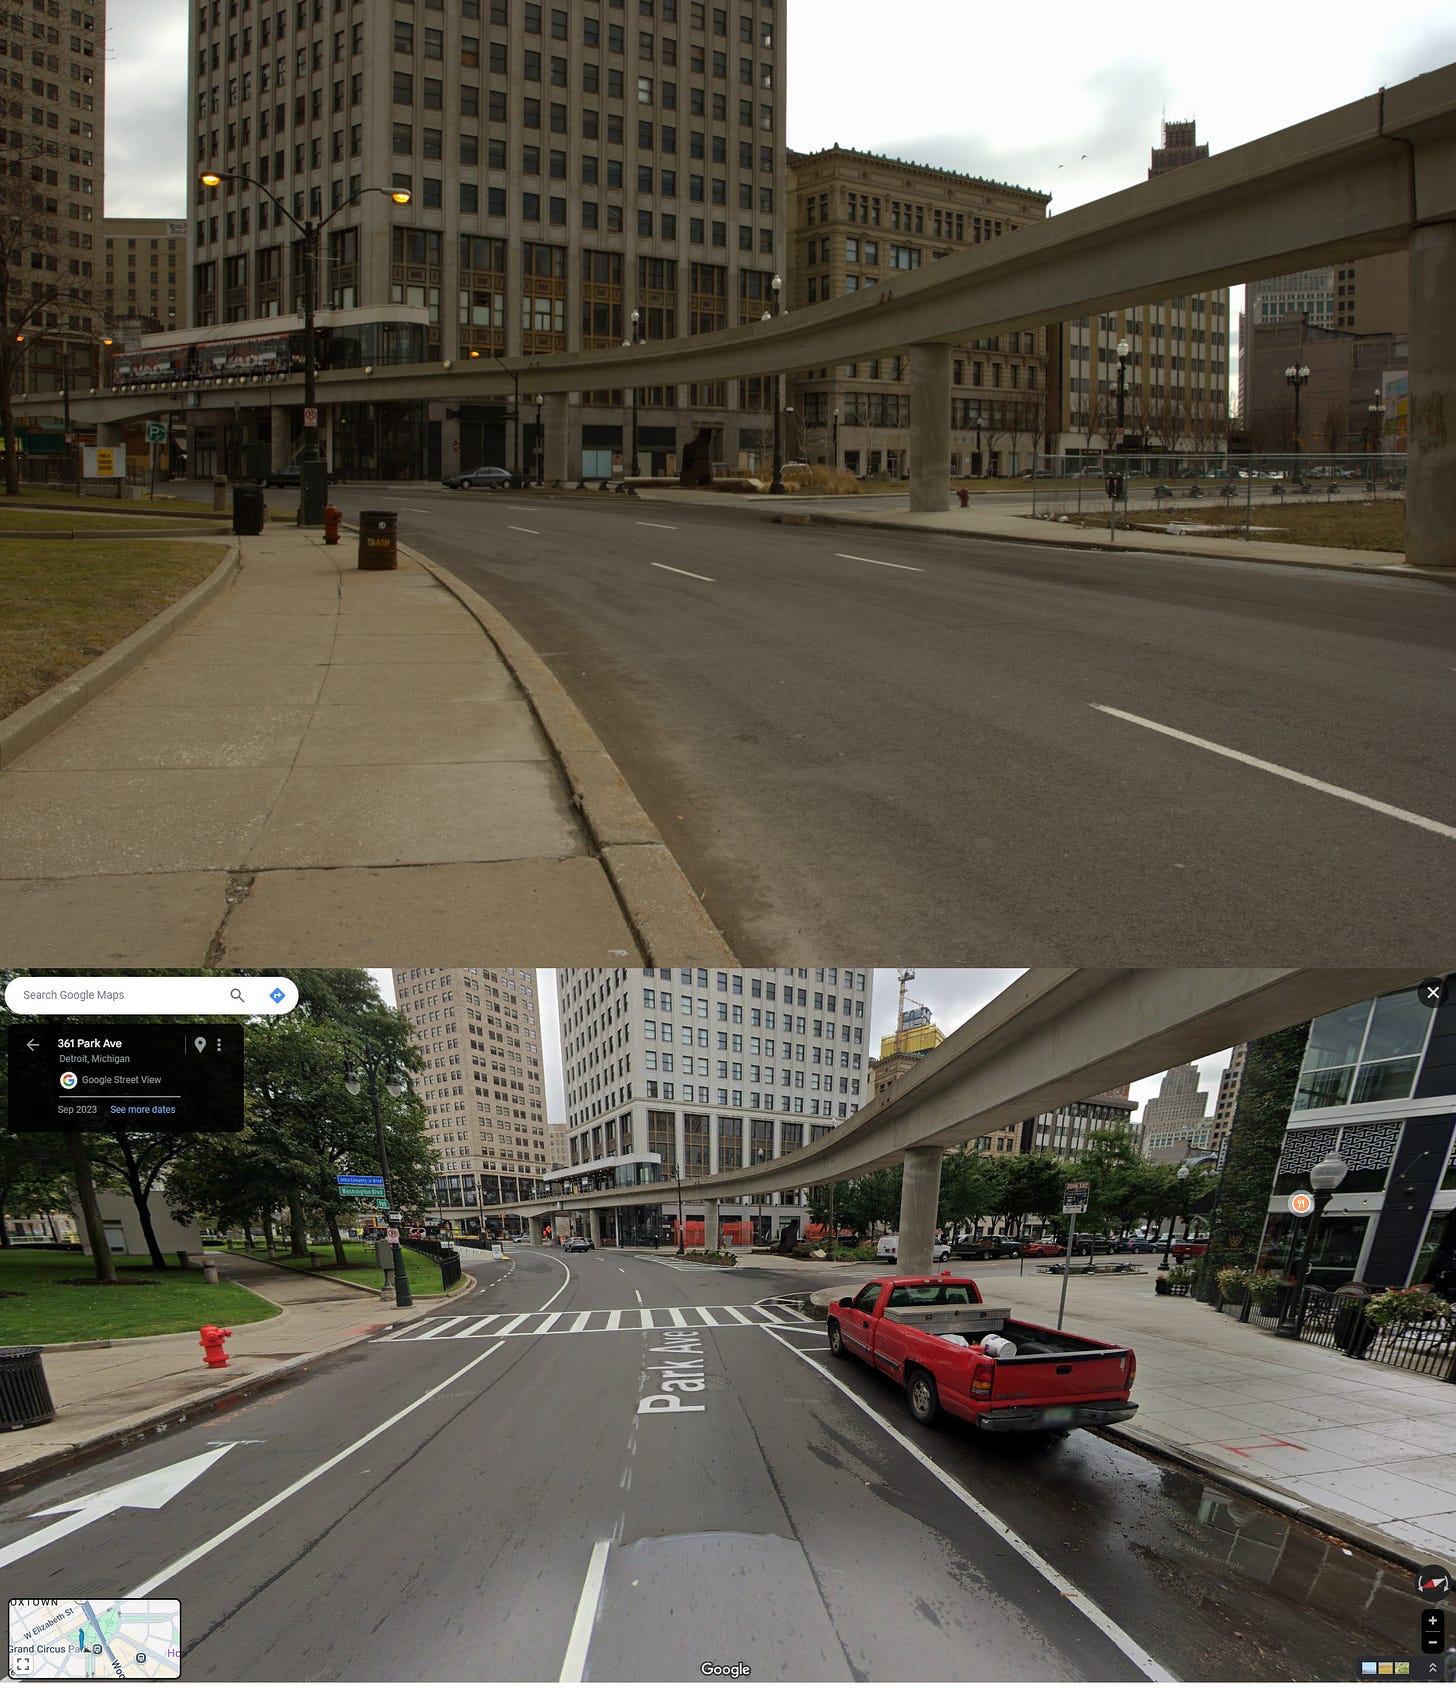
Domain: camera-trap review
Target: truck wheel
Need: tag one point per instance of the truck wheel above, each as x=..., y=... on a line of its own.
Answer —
x=836, y=1341
x=924, y=1401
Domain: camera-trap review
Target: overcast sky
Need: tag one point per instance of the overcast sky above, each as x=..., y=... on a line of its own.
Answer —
x=953, y=994
x=995, y=91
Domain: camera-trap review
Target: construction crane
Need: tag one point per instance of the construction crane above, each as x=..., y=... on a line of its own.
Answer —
x=905, y=975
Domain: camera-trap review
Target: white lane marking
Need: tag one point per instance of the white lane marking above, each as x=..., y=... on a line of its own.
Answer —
x=441, y=1325
x=677, y=1315
x=574, y=1664
x=614, y=1319
x=565, y=1268
x=480, y=1324
x=688, y=572
x=581, y=1319
x=908, y=567
x=514, y=529
x=1063, y=1585
x=1380, y=808
x=737, y=1315
x=512, y=1324
x=646, y=1317
x=667, y=527
x=705, y=1314
x=548, y=1321
x=638, y=1294
x=177, y=1566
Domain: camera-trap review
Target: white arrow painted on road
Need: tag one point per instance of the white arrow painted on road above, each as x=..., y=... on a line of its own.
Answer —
x=151, y=1490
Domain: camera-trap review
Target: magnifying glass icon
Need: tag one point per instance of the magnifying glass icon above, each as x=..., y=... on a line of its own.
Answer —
x=236, y=994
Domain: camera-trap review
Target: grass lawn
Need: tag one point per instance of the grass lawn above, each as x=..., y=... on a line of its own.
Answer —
x=37, y=1305
x=1378, y=526
x=36, y=518
x=424, y=1274
x=64, y=498
x=69, y=600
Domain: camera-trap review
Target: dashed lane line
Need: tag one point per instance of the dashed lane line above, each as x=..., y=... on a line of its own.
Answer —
x=878, y=562
x=688, y=572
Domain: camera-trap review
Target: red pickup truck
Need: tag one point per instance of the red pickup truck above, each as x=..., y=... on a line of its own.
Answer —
x=954, y=1354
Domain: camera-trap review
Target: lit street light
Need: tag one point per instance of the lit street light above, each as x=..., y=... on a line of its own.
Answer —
x=313, y=482
x=539, y=402
x=1124, y=351
x=777, y=484
x=1296, y=375
x=1325, y=1178
x=1173, y=1222
x=636, y=340
x=1377, y=420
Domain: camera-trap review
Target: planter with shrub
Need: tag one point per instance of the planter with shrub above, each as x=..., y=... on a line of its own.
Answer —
x=1233, y=1283
x=1178, y=1281
x=1395, y=1310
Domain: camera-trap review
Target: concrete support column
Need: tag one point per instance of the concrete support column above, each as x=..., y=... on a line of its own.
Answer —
x=281, y=427
x=710, y=1225
x=111, y=434
x=554, y=424
x=594, y=1223
x=537, y=1225
x=930, y=427
x=1430, y=510
x=919, y=1199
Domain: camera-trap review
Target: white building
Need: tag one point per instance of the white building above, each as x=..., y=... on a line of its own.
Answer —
x=1175, y=1122
x=705, y=1070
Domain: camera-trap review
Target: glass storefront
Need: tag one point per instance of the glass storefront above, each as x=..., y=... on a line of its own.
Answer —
x=1370, y=1052
x=386, y=442
x=1336, y=1250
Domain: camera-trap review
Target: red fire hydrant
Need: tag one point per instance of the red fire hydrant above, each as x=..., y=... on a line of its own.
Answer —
x=211, y=1344
x=961, y=493
x=333, y=515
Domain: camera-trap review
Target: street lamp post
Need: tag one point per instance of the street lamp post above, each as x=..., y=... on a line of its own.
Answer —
x=636, y=340
x=313, y=479
x=981, y=422
x=777, y=484
x=1326, y=1178
x=1377, y=422
x=371, y=1061
x=539, y=402
x=681, y=1234
x=515, y=410
x=1173, y=1222
x=1123, y=353
x=1296, y=375
x=836, y=438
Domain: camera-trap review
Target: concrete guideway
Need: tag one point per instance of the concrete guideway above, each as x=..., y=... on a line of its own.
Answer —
x=303, y=756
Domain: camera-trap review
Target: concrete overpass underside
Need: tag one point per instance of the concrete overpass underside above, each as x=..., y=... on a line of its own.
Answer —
x=1055, y=1036
x=1373, y=176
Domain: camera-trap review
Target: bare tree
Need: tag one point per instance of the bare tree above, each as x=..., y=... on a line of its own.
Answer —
x=1337, y=422
x=36, y=280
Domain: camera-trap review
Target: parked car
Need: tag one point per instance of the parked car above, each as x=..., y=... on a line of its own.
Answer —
x=1042, y=1248
x=577, y=1245
x=1184, y=1250
x=290, y=475
x=889, y=1249
x=987, y=1248
x=482, y=477
x=954, y=1355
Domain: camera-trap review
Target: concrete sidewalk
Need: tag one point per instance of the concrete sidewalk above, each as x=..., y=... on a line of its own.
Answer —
x=112, y=1392
x=980, y=521
x=1363, y=1450
x=317, y=758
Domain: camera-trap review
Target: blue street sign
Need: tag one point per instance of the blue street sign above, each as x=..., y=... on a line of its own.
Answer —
x=350, y=1183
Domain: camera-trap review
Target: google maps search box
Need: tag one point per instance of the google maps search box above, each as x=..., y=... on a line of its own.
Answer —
x=105, y=994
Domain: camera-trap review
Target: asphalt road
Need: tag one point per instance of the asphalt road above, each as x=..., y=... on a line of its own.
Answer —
x=504, y=1503
x=864, y=739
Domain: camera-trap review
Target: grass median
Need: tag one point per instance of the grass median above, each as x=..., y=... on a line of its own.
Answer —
x=68, y=601
x=51, y=1295
x=105, y=503
x=422, y=1270
x=44, y=519
x=1378, y=526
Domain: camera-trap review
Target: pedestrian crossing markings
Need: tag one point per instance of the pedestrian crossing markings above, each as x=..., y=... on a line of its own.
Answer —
x=597, y=1321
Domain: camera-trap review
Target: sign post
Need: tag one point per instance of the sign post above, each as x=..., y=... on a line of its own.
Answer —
x=1074, y=1201
x=156, y=435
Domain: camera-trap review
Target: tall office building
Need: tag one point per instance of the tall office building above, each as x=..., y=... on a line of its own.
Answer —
x=858, y=220
x=54, y=135
x=569, y=165
x=1175, y=1122
x=1228, y=1098
x=145, y=273
x=1066, y=1131
x=479, y=1030
x=1175, y=383
x=706, y=1070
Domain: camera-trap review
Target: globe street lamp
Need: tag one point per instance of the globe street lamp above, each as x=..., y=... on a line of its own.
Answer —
x=1326, y=1178
x=681, y=1235
x=1123, y=353
x=539, y=402
x=1377, y=419
x=777, y=484
x=1173, y=1222
x=1296, y=375
x=836, y=437
x=981, y=422
x=313, y=487
x=636, y=340
x=372, y=1062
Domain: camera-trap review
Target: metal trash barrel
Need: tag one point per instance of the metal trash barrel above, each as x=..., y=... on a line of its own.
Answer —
x=25, y=1397
x=378, y=539
x=219, y=493
x=248, y=509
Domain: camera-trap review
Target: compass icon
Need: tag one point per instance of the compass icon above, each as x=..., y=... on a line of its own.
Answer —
x=1433, y=1582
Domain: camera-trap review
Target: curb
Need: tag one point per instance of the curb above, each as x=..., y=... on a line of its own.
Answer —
x=665, y=914
x=814, y=519
x=41, y=716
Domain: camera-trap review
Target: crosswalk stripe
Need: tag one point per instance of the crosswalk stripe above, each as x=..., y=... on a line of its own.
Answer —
x=479, y=1325
x=598, y=1320
x=581, y=1319
x=705, y=1314
x=737, y=1315
x=614, y=1319
x=677, y=1317
x=550, y=1320
x=647, y=1320
x=512, y=1324
x=440, y=1326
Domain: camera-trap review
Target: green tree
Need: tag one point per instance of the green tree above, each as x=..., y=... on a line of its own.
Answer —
x=1256, y=1139
x=34, y=1167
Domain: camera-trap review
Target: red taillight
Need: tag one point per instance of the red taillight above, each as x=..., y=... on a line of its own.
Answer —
x=981, y=1377
x=1131, y=1368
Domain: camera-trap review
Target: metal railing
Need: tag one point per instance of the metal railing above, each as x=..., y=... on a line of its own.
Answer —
x=445, y=1256
x=1193, y=490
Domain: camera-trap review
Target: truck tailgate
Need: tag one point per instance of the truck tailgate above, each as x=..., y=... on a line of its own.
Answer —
x=1036, y=1380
